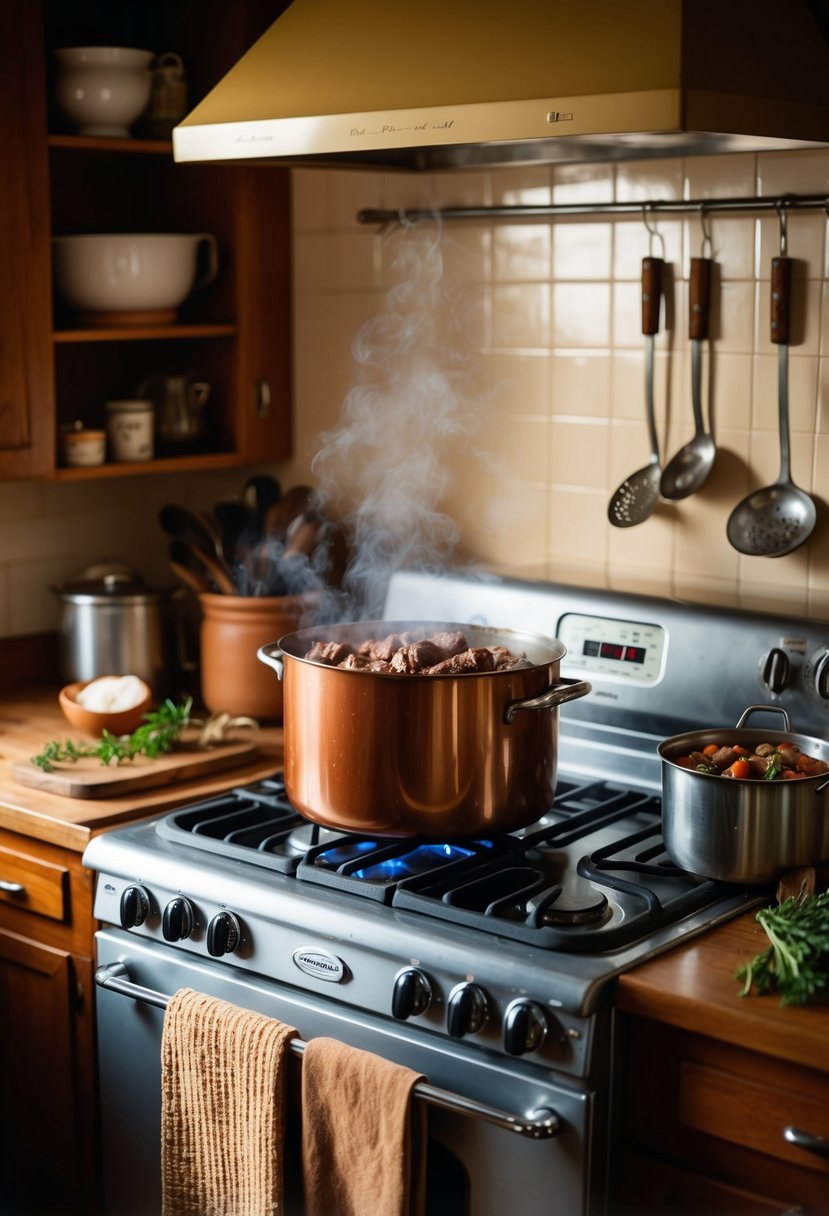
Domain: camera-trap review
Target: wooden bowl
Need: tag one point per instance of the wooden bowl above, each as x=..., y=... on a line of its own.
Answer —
x=94, y=723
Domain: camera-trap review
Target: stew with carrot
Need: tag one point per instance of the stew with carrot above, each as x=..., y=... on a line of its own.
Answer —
x=766, y=762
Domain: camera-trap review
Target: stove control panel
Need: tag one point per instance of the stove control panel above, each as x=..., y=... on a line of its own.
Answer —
x=626, y=651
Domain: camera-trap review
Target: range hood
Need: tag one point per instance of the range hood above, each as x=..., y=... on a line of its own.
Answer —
x=441, y=84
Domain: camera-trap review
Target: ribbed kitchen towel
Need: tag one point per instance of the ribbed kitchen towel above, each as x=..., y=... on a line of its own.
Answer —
x=363, y=1136
x=223, y=1109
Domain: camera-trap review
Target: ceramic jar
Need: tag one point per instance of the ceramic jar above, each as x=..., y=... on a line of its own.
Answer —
x=233, y=627
x=130, y=427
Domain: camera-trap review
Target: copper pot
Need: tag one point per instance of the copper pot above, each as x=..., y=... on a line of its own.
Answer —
x=428, y=756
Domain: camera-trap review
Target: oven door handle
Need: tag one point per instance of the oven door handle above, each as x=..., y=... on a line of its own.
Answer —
x=540, y=1124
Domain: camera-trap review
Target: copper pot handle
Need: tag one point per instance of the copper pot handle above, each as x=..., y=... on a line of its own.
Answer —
x=556, y=694
x=273, y=657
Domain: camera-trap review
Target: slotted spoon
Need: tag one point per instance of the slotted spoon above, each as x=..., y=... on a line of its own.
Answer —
x=687, y=470
x=779, y=518
x=638, y=494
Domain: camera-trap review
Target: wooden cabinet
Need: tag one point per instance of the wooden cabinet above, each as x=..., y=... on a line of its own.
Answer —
x=703, y=1128
x=47, y=1095
x=235, y=334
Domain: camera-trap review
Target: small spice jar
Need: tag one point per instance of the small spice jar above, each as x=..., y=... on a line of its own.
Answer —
x=81, y=448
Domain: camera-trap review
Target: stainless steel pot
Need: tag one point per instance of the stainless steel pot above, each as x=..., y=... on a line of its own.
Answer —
x=429, y=756
x=743, y=830
x=113, y=623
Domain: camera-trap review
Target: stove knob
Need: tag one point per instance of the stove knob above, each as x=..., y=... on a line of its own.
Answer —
x=822, y=676
x=177, y=919
x=411, y=994
x=525, y=1027
x=223, y=934
x=776, y=670
x=465, y=1010
x=135, y=907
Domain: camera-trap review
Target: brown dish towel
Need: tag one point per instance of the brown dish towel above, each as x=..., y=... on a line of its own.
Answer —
x=222, y=1110
x=363, y=1136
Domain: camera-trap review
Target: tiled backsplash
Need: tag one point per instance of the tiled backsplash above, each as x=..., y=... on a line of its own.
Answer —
x=534, y=412
x=551, y=418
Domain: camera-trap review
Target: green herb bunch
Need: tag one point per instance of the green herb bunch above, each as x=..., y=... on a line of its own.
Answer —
x=160, y=729
x=796, y=963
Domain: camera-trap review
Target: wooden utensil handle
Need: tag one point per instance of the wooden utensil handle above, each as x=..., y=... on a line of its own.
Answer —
x=781, y=278
x=699, y=297
x=651, y=294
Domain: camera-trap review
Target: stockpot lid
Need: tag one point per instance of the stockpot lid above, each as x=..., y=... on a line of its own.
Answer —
x=110, y=583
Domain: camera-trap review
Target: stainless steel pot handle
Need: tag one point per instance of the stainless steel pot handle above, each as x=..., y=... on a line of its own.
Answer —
x=273, y=657
x=764, y=709
x=556, y=694
x=540, y=1124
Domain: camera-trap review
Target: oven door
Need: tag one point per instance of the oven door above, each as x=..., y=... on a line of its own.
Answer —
x=475, y=1168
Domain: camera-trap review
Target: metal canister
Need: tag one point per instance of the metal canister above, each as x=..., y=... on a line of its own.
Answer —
x=113, y=623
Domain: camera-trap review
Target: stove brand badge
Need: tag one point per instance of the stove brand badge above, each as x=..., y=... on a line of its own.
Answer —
x=322, y=965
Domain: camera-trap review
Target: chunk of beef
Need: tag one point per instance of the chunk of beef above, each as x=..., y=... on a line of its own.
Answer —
x=330, y=653
x=383, y=648
x=413, y=659
x=449, y=642
x=476, y=658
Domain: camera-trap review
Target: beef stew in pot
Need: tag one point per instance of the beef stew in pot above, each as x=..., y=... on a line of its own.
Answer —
x=416, y=653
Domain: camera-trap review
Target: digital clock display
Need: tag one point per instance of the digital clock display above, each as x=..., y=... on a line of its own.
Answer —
x=613, y=650
x=607, y=648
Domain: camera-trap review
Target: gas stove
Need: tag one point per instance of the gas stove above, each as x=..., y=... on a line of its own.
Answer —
x=487, y=964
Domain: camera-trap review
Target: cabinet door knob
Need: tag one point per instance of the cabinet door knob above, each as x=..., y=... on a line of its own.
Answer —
x=12, y=888
x=806, y=1140
x=262, y=395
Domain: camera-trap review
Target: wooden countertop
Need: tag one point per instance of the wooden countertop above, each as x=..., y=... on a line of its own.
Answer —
x=693, y=987
x=30, y=717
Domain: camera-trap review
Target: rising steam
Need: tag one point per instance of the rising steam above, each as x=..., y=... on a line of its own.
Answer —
x=386, y=469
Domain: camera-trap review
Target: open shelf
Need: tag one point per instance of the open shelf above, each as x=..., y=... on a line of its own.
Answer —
x=147, y=333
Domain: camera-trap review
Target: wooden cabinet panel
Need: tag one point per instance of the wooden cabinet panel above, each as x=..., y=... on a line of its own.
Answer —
x=49, y=1131
x=44, y=886
x=702, y=1113
x=25, y=288
x=751, y=1113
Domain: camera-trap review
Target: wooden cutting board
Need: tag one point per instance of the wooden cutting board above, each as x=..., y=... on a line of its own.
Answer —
x=88, y=778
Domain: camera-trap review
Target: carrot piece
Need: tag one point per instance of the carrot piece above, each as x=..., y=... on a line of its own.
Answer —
x=710, y=749
x=740, y=768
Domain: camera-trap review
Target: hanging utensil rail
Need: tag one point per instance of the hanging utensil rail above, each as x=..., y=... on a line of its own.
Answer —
x=405, y=215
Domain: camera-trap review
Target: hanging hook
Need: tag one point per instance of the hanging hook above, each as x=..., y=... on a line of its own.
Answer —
x=653, y=235
x=706, y=249
x=783, y=220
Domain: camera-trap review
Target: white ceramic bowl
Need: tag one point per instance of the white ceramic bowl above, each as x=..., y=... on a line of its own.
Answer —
x=103, y=89
x=131, y=272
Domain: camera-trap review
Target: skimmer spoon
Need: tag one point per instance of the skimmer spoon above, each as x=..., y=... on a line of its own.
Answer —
x=637, y=496
x=688, y=469
x=779, y=518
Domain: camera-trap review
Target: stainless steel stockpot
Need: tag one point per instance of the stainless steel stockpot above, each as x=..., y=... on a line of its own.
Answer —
x=743, y=830
x=113, y=623
x=435, y=756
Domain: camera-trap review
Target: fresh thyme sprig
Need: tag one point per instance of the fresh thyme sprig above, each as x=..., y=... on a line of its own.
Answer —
x=158, y=732
x=796, y=963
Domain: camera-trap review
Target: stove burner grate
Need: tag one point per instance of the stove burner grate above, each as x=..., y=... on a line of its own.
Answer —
x=248, y=823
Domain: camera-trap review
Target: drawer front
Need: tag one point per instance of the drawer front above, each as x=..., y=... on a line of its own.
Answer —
x=33, y=885
x=754, y=1114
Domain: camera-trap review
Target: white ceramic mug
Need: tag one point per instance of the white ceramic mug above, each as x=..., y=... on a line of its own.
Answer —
x=130, y=429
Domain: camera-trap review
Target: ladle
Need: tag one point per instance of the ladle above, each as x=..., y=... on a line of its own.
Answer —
x=687, y=470
x=637, y=496
x=777, y=519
